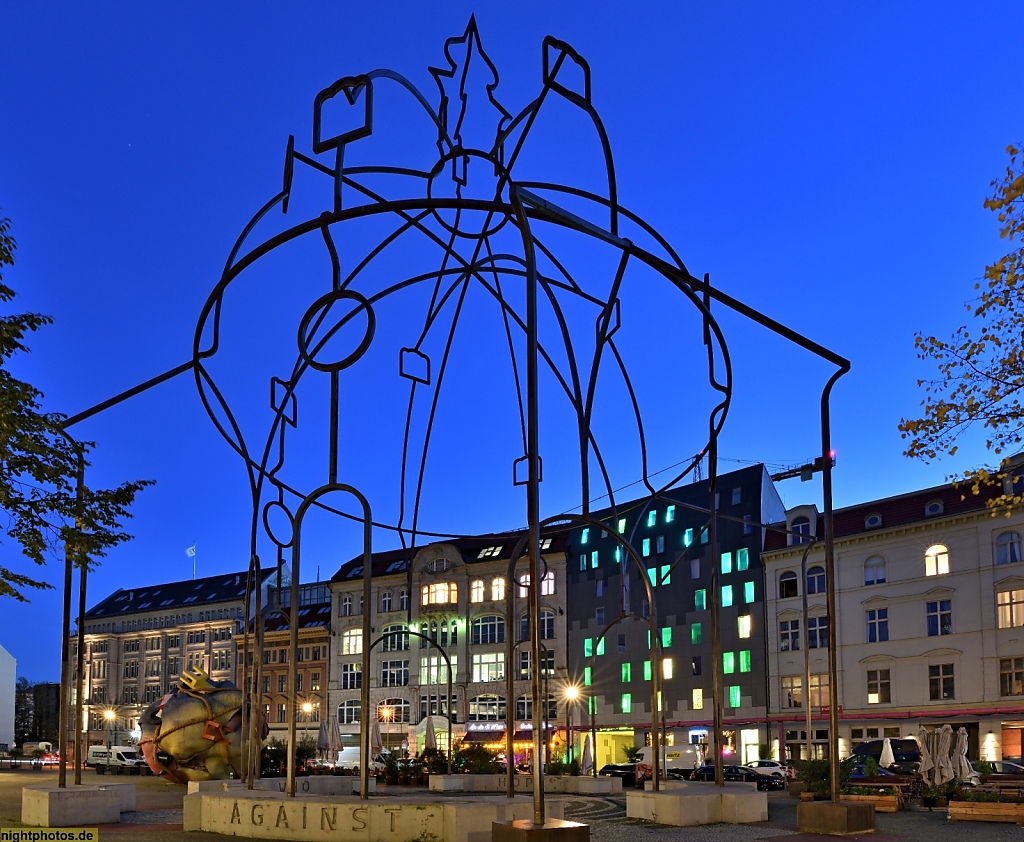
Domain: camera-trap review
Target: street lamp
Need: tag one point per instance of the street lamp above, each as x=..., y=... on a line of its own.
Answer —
x=111, y=717
x=572, y=693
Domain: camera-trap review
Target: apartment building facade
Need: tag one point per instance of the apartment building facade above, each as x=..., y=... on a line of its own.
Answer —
x=139, y=640
x=451, y=594
x=930, y=620
x=610, y=652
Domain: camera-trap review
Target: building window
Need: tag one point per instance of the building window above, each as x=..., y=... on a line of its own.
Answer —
x=1011, y=676
x=547, y=629
x=743, y=626
x=801, y=531
x=727, y=562
x=489, y=629
x=394, y=673
x=444, y=634
x=489, y=666
x=652, y=518
x=439, y=593
x=697, y=699
x=788, y=585
x=789, y=635
x=346, y=606
x=874, y=570
x=726, y=596
x=700, y=600
x=816, y=579
x=728, y=662
x=688, y=537
x=792, y=691
x=817, y=693
x=659, y=544
x=817, y=632
x=737, y=496
x=936, y=560
x=497, y=588
x=282, y=683
x=547, y=663
x=599, y=617
x=403, y=600
x=314, y=682
x=627, y=673
x=734, y=696
x=695, y=633
x=878, y=687
x=349, y=712
x=281, y=716
x=486, y=708
x=748, y=592
x=1010, y=609
x=694, y=568
x=385, y=601
x=547, y=584
x=670, y=514
x=352, y=642
x=476, y=591
x=395, y=639
x=434, y=670
x=1008, y=548
x=940, y=617
x=695, y=665
x=940, y=682
x=878, y=624
x=646, y=547
x=627, y=703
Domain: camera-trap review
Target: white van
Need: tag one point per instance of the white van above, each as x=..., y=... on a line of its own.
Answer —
x=116, y=759
x=676, y=761
x=350, y=756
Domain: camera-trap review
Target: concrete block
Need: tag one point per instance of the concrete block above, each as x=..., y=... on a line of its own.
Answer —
x=699, y=805
x=448, y=783
x=47, y=805
x=552, y=830
x=192, y=805
x=744, y=807
x=835, y=819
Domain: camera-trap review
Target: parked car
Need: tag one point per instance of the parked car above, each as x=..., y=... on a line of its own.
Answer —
x=906, y=753
x=773, y=767
x=626, y=771
x=1005, y=767
x=739, y=773
x=859, y=772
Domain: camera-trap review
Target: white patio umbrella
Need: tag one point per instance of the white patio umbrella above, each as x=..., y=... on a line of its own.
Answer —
x=961, y=765
x=942, y=755
x=587, y=761
x=888, y=758
x=927, y=768
x=429, y=737
x=376, y=745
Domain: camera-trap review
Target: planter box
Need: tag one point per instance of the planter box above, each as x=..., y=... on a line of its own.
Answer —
x=842, y=819
x=985, y=811
x=883, y=803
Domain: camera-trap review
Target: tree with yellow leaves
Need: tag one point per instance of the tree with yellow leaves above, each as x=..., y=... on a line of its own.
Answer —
x=981, y=371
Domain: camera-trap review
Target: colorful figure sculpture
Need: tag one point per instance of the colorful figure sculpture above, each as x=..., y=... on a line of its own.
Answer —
x=194, y=733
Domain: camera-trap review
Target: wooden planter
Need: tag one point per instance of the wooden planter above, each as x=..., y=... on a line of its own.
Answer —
x=985, y=811
x=883, y=803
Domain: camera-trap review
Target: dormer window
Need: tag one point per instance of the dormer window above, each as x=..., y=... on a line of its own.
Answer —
x=873, y=521
x=933, y=508
x=440, y=565
x=489, y=552
x=801, y=530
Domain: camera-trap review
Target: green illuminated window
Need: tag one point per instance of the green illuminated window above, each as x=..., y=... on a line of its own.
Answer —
x=704, y=535
x=647, y=670
x=652, y=572
x=695, y=634
x=666, y=574
x=592, y=704
x=584, y=534
x=727, y=562
x=587, y=676
x=626, y=673
x=583, y=561
x=600, y=646
x=593, y=559
x=748, y=592
x=687, y=537
x=729, y=663
x=744, y=660
x=627, y=703
x=700, y=600
x=726, y=596
x=670, y=514
x=618, y=555
x=666, y=636
x=622, y=525
x=734, y=696
x=742, y=559
x=646, y=547
x=588, y=647
x=652, y=517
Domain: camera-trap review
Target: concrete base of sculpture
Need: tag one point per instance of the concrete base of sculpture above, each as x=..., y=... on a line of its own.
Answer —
x=47, y=805
x=552, y=830
x=408, y=815
x=847, y=818
x=575, y=784
x=699, y=803
x=318, y=785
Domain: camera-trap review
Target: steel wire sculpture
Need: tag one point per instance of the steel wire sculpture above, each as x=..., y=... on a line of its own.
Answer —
x=463, y=253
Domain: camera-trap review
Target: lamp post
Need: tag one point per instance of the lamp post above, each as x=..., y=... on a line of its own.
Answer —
x=572, y=693
x=111, y=717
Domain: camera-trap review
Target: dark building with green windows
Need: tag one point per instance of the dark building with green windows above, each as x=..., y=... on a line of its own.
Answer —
x=609, y=651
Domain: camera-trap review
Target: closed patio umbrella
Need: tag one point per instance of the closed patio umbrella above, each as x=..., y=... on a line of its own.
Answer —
x=888, y=758
x=376, y=744
x=961, y=765
x=429, y=737
x=942, y=755
x=587, y=761
x=927, y=768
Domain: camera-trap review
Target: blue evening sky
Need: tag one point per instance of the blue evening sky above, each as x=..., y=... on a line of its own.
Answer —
x=824, y=162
